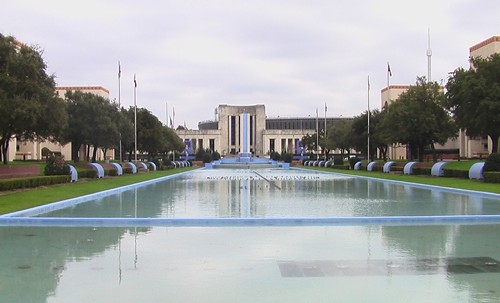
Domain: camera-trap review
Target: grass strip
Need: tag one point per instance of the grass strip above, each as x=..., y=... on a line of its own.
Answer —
x=18, y=200
x=428, y=180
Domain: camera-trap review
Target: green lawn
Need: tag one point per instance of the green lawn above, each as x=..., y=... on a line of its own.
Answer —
x=429, y=180
x=18, y=200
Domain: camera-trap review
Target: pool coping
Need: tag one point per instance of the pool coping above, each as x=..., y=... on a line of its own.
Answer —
x=252, y=222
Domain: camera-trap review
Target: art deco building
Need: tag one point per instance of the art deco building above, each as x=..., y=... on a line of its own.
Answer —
x=225, y=134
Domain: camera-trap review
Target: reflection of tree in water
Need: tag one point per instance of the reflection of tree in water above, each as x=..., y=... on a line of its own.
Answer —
x=450, y=243
x=33, y=258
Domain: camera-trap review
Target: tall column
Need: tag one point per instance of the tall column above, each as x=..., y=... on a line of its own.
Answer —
x=245, y=133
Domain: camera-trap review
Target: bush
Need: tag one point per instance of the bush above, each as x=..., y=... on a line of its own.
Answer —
x=337, y=160
x=275, y=156
x=342, y=166
x=492, y=163
x=492, y=177
x=216, y=155
x=206, y=158
x=353, y=161
x=110, y=172
x=87, y=173
x=456, y=173
x=11, y=184
x=287, y=157
x=422, y=171
x=56, y=166
x=199, y=154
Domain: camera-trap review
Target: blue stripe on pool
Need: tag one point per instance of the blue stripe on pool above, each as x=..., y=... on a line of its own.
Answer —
x=215, y=222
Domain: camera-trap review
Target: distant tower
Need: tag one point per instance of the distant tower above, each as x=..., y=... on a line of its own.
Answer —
x=429, y=55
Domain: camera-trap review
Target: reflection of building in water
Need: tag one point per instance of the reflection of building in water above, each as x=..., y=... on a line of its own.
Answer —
x=227, y=134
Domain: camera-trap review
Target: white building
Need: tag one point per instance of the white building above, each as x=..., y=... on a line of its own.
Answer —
x=225, y=134
x=468, y=147
x=26, y=150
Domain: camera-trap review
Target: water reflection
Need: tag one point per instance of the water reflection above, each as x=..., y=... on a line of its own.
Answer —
x=453, y=263
x=49, y=264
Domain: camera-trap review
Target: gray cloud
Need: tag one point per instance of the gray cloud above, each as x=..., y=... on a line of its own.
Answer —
x=292, y=56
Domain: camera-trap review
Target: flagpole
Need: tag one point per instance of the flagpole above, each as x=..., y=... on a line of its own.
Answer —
x=120, y=104
x=317, y=135
x=173, y=121
x=368, y=114
x=166, y=114
x=135, y=117
x=325, y=130
x=389, y=73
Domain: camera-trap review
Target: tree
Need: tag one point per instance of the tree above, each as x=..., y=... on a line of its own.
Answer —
x=29, y=106
x=339, y=136
x=153, y=138
x=417, y=118
x=105, y=134
x=309, y=142
x=359, y=134
x=473, y=97
x=93, y=121
x=126, y=130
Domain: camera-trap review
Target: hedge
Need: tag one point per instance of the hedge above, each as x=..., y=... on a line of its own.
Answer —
x=491, y=176
x=456, y=173
x=17, y=183
x=422, y=171
x=343, y=166
x=88, y=173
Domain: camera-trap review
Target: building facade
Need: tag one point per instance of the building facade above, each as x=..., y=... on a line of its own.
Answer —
x=468, y=147
x=265, y=135
x=27, y=150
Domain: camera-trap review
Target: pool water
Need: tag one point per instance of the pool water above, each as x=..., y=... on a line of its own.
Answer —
x=270, y=193
x=331, y=263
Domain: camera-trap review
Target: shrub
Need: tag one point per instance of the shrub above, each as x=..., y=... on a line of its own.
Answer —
x=337, y=160
x=275, y=156
x=492, y=163
x=353, y=161
x=492, y=177
x=287, y=157
x=199, y=154
x=422, y=171
x=56, y=166
x=207, y=157
x=456, y=173
x=216, y=155
x=343, y=166
x=11, y=184
x=110, y=172
x=88, y=173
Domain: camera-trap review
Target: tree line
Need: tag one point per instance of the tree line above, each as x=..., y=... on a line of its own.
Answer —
x=31, y=110
x=425, y=115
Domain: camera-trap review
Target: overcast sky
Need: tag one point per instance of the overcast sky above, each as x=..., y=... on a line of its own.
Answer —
x=291, y=56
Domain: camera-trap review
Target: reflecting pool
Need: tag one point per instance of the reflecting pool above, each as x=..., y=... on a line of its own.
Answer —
x=332, y=263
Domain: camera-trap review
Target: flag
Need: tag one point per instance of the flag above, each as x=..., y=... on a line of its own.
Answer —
x=326, y=108
x=368, y=82
x=119, y=70
x=135, y=82
x=389, y=69
x=171, y=123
